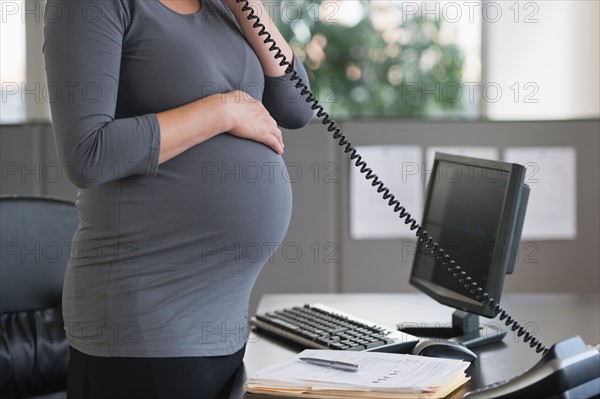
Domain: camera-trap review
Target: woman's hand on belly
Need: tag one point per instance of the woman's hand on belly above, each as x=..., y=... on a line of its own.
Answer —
x=235, y=112
x=249, y=119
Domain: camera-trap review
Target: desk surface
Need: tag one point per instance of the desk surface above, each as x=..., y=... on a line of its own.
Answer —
x=552, y=316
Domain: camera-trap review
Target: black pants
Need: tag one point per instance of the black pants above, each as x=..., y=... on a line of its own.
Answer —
x=94, y=377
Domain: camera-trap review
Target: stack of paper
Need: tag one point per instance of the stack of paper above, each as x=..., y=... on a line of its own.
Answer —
x=381, y=375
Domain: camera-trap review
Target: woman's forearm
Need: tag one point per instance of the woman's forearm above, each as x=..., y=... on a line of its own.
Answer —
x=270, y=66
x=183, y=127
x=234, y=112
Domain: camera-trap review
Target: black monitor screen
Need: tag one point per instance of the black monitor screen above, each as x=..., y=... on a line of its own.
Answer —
x=464, y=213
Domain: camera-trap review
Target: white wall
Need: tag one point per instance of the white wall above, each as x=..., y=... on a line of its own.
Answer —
x=36, y=72
x=550, y=49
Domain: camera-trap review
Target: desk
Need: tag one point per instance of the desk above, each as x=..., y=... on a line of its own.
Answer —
x=552, y=316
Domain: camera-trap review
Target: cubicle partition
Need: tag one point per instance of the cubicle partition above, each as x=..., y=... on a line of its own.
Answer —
x=569, y=265
x=29, y=164
x=318, y=254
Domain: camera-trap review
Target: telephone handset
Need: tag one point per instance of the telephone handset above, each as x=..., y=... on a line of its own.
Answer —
x=567, y=359
x=569, y=370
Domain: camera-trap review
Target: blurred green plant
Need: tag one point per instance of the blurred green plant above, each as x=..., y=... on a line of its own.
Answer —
x=370, y=61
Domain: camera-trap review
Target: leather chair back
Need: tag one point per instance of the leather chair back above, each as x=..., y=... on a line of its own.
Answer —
x=36, y=235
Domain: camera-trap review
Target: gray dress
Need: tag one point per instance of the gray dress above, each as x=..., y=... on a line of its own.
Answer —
x=165, y=257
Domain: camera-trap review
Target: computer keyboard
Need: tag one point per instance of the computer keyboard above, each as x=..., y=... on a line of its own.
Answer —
x=321, y=327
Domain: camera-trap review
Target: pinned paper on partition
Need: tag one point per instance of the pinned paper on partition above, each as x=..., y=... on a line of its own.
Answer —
x=399, y=167
x=551, y=176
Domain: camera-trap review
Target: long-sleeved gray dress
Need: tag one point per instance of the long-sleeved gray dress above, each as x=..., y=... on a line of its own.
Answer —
x=164, y=257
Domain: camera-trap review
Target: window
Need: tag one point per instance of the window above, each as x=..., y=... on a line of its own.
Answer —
x=398, y=58
x=501, y=60
x=388, y=58
x=12, y=62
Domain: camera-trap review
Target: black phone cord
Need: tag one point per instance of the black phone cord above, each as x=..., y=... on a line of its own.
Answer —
x=440, y=254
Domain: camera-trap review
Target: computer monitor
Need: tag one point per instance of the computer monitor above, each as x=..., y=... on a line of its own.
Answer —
x=475, y=210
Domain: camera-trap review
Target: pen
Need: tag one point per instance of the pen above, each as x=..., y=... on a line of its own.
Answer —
x=331, y=363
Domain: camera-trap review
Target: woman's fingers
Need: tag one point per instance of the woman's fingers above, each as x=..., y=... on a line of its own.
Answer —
x=275, y=131
x=253, y=121
x=272, y=141
x=276, y=134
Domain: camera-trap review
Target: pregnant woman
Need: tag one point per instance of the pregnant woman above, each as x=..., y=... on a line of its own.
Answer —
x=166, y=114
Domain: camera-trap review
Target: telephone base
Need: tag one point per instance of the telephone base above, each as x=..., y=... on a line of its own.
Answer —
x=569, y=370
x=590, y=389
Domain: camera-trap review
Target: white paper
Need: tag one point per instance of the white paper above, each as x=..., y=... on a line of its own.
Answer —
x=551, y=176
x=399, y=167
x=378, y=371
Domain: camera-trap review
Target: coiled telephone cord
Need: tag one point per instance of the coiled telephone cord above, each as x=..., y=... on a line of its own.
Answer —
x=440, y=254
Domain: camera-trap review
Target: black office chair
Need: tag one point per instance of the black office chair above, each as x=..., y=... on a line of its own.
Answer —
x=35, y=233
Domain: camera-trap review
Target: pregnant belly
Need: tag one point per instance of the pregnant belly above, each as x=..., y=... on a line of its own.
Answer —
x=226, y=193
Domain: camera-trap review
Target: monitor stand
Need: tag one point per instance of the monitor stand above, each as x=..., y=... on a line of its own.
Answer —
x=465, y=330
